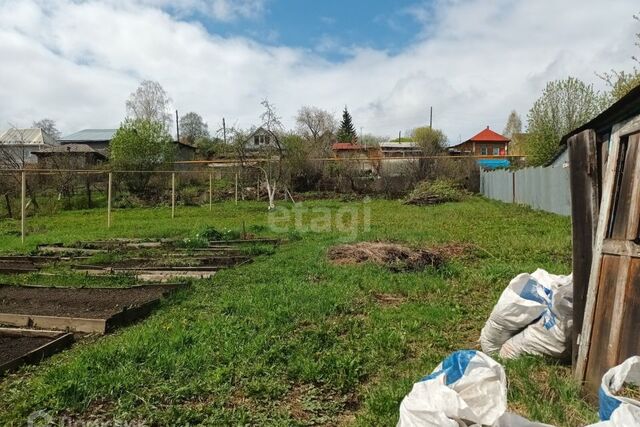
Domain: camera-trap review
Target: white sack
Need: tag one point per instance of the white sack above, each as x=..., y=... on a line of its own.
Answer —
x=618, y=411
x=467, y=388
x=551, y=334
x=523, y=301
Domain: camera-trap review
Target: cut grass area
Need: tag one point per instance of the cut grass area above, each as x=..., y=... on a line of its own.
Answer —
x=293, y=339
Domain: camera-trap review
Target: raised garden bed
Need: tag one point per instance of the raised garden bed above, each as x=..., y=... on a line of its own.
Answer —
x=21, y=346
x=89, y=310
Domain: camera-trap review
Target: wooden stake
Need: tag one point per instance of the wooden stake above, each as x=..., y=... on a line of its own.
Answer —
x=210, y=192
x=173, y=195
x=22, y=205
x=236, y=188
x=109, y=201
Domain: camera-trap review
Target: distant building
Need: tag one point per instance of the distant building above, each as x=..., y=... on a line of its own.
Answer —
x=400, y=149
x=485, y=143
x=18, y=146
x=98, y=139
x=260, y=139
x=364, y=158
x=69, y=156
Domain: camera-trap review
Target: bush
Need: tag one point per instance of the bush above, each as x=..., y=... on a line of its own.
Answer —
x=434, y=192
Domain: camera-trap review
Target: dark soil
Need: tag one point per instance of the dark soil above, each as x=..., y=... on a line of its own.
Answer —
x=89, y=303
x=14, y=347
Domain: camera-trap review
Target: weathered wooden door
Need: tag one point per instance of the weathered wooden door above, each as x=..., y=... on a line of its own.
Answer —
x=611, y=327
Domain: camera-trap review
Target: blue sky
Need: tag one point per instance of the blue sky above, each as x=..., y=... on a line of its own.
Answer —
x=330, y=27
x=77, y=61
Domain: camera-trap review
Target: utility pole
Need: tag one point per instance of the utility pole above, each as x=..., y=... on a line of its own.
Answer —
x=399, y=136
x=431, y=118
x=361, y=140
x=224, y=130
x=177, y=127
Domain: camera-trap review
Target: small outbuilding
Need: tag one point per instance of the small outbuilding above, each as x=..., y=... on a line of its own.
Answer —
x=18, y=147
x=69, y=156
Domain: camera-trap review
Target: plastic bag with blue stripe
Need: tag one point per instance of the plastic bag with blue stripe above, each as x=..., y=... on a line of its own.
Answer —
x=614, y=410
x=468, y=388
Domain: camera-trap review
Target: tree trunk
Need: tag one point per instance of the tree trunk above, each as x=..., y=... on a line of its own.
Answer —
x=7, y=200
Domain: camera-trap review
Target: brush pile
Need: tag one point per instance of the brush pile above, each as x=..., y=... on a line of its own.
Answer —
x=435, y=192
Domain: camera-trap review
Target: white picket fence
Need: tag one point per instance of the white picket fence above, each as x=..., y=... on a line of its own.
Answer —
x=544, y=188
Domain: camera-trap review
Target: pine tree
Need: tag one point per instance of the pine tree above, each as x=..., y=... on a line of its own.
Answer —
x=347, y=132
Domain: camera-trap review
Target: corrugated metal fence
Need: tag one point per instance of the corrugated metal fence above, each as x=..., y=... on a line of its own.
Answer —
x=541, y=188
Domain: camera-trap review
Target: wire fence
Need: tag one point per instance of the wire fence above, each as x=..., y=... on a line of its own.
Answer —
x=38, y=191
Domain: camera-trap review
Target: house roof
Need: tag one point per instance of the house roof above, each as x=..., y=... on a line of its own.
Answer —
x=487, y=135
x=29, y=136
x=339, y=146
x=90, y=135
x=70, y=148
x=398, y=145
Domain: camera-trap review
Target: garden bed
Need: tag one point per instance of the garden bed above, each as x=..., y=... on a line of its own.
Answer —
x=21, y=346
x=91, y=310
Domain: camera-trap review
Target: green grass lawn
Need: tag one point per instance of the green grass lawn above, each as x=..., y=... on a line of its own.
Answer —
x=292, y=339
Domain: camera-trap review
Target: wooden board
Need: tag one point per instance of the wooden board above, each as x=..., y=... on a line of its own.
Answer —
x=584, y=178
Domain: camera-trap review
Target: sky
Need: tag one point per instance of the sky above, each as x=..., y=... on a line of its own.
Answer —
x=473, y=61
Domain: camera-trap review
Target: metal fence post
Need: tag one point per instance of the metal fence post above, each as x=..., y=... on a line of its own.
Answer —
x=173, y=194
x=236, y=188
x=23, y=191
x=210, y=192
x=109, y=201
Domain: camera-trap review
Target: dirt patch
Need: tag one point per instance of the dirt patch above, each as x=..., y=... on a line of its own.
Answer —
x=391, y=300
x=13, y=347
x=93, y=303
x=391, y=255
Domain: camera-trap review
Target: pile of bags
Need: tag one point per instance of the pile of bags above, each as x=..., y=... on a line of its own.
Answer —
x=533, y=316
x=469, y=389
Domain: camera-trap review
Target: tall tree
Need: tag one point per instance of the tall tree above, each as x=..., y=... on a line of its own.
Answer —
x=315, y=125
x=193, y=127
x=431, y=141
x=150, y=102
x=347, y=132
x=513, y=126
x=140, y=145
x=563, y=106
x=48, y=126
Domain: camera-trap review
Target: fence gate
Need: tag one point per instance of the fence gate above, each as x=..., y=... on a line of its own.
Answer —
x=612, y=312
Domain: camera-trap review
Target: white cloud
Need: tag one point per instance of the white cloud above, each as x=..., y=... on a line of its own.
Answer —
x=77, y=62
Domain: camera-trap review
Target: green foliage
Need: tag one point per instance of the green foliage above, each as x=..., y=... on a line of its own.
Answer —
x=432, y=141
x=347, y=132
x=563, y=106
x=436, y=191
x=208, y=148
x=141, y=145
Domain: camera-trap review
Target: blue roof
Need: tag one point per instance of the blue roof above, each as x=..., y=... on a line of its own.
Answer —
x=90, y=135
x=494, y=163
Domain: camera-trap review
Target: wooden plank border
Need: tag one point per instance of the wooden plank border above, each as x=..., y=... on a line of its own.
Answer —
x=59, y=342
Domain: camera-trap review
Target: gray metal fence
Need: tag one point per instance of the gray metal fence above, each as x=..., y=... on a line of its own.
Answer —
x=541, y=188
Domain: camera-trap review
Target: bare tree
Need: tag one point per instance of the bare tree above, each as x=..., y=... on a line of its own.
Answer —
x=150, y=102
x=14, y=153
x=316, y=125
x=48, y=126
